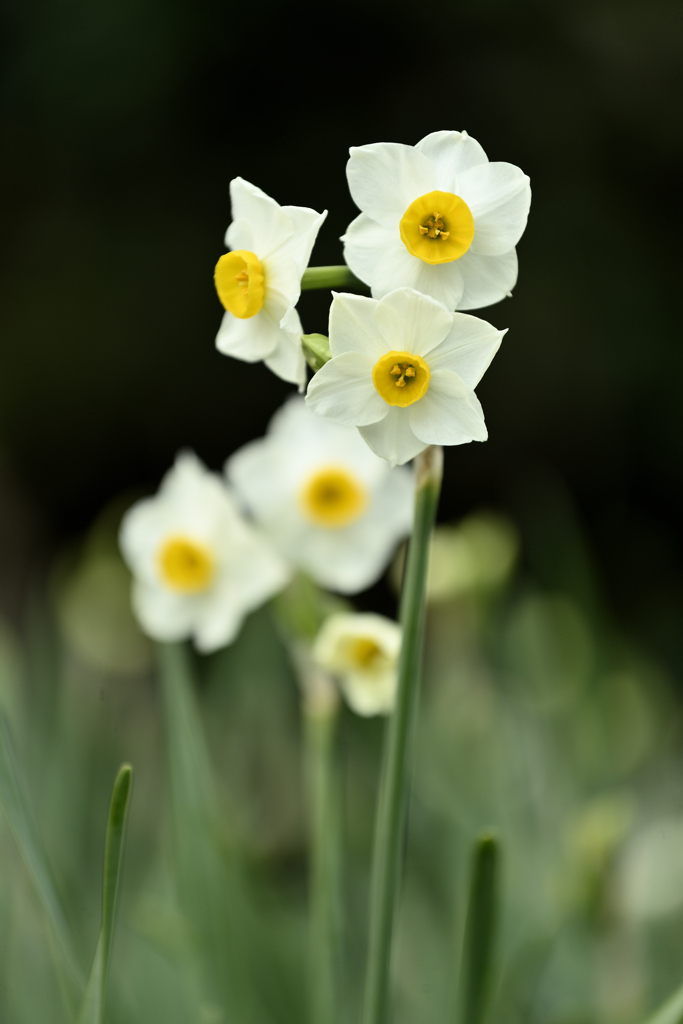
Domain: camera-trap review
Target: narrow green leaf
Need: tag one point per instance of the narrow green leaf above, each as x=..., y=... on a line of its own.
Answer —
x=92, y=1008
x=211, y=885
x=17, y=809
x=480, y=930
x=671, y=1012
x=316, y=350
x=325, y=990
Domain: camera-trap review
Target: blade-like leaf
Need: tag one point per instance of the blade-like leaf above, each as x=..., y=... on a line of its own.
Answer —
x=671, y=1012
x=211, y=885
x=480, y=929
x=92, y=1008
x=17, y=809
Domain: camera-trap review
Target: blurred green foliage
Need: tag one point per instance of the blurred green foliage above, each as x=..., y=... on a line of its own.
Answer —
x=537, y=718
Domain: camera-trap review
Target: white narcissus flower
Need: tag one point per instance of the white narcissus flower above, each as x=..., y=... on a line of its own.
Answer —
x=403, y=370
x=259, y=282
x=330, y=506
x=198, y=567
x=361, y=650
x=437, y=217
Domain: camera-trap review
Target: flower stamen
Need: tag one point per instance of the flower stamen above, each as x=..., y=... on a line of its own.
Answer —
x=449, y=223
x=413, y=378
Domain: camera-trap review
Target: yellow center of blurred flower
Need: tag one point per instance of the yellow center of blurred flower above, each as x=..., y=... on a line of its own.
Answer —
x=185, y=565
x=401, y=378
x=240, y=283
x=364, y=653
x=438, y=227
x=332, y=497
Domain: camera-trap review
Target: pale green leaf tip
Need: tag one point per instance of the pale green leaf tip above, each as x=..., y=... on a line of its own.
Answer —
x=316, y=350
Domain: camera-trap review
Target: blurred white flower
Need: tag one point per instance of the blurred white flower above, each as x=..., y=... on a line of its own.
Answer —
x=330, y=506
x=259, y=282
x=198, y=567
x=361, y=650
x=437, y=217
x=403, y=370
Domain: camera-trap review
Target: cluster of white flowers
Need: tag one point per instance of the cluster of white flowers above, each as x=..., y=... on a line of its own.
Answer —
x=323, y=492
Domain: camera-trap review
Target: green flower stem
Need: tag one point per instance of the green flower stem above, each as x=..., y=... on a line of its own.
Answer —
x=390, y=826
x=320, y=718
x=329, y=277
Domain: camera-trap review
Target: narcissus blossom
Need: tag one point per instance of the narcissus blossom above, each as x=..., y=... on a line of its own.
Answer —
x=198, y=567
x=403, y=370
x=259, y=281
x=437, y=217
x=330, y=506
x=361, y=651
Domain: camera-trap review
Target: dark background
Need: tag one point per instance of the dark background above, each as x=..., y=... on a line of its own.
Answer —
x=123, y=122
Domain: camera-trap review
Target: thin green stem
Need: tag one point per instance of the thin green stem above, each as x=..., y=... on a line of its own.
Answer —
x=390, y=827
x=320, y=716
x=330, y=277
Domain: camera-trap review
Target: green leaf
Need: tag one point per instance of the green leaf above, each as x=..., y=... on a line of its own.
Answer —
x=211, y=884
x=316, y=350
x=17, y=809
x=92, y=1007
x=480, y=931
x=671, y=1012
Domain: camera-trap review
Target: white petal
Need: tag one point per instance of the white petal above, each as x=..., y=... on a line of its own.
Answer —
x=240, y=235
x=288, y=361
x=282, y=287
x=251, y=340
x=164, y=615
x=353, y=327
x=450, y=413
x=364, y=242
x=269, y=223
x=307, y=224
x=487, y=279
x=370, y=697
x=385, y=177
x=468, y=349
x=499, y=196
x=254, y=576
x=397, y=268
x=392, y=438
x=343, y=391
x=453, y=153
x=412, y=322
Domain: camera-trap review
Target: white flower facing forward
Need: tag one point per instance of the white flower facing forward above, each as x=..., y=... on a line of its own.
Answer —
x=330, y=506
x=259, y=282
x=437, y=217
x=361, y=651
x=198, y=567
x=403, y=370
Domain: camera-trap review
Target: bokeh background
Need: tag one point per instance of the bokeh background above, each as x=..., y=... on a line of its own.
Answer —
x=552, y=698
x=123, y=122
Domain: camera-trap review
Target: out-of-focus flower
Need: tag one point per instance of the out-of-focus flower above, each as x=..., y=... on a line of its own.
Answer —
x=403, y=370
x=437, y=217
x=476, y=555
x=198, y=566
x=330, y=506
x=361, y=650
x=259, y=282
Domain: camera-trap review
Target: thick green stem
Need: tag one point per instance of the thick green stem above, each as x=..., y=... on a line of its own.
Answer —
x=330, y=277
x=389, y=834
x=320, y=716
